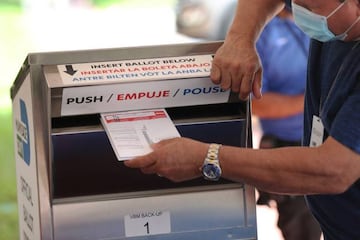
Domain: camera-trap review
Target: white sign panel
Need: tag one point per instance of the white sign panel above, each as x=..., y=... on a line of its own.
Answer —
x=141, y=95
x=147, y=223
x=136, y=70
x=26, y=173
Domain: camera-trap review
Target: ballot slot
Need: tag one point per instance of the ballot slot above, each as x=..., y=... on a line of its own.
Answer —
x=89, y=152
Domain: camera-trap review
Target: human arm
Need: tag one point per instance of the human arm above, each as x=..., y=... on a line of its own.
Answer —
x=275, y=105
x=329, y=168
x=236, y=64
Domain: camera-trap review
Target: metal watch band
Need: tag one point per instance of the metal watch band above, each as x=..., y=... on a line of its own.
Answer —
x=211, y=169
x=213, y=153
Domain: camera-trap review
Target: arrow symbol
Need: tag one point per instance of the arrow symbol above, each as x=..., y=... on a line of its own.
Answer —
x=70, y=70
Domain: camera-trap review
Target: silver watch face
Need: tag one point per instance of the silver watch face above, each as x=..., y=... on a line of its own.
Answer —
x=211, y=171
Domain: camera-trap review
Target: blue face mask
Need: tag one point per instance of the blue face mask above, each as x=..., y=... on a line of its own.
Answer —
x=315, y=25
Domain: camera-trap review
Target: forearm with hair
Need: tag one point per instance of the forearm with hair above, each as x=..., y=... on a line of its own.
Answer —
x=250, y=19
x=293, y=170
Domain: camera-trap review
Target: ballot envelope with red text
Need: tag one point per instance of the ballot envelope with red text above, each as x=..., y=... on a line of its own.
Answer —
x=131, y=133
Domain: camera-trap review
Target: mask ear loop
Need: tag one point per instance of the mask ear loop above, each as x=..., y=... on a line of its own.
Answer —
x=352, y=25
x=336, y=9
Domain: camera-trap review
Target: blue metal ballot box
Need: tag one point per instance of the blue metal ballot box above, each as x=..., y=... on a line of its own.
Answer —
x=70, y=183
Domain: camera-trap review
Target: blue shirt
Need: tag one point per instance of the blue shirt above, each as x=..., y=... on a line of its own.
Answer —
x=333, y=93
x=283, y=50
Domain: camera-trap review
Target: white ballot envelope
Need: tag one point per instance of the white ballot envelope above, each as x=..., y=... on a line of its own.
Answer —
x=131, y=133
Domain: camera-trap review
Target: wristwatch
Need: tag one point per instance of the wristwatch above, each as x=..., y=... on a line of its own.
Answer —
x=211, y=167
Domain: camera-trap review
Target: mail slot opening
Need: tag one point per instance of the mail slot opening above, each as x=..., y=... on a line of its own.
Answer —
x=89, y=152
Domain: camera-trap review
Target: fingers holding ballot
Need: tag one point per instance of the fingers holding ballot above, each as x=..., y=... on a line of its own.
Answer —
x=177, y=159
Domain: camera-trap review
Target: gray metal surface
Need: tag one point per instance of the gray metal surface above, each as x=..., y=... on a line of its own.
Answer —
x=212, y=215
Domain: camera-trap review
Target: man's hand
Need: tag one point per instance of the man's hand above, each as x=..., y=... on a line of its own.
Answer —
x=177, y=159
x=238, y=68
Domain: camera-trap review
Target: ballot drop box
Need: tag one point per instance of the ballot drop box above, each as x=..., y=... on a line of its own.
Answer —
x=70, y=183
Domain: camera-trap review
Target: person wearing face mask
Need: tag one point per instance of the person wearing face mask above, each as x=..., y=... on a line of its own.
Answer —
x=327, y=167
x=283, y=50
x=316, y=25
